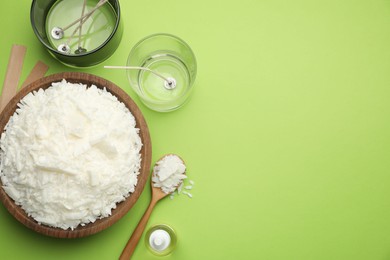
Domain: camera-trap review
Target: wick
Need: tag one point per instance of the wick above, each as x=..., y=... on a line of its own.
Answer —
x=169, y=83
x=58, y=31
x=81, y=24
x=87, y=15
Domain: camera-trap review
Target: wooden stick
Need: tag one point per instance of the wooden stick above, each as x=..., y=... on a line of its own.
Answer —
x=37, y=72
x=12, y=76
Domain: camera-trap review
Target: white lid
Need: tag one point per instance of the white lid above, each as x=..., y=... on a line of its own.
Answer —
x=159, y=240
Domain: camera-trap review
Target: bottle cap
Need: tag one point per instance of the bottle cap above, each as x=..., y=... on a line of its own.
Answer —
x=159, y=240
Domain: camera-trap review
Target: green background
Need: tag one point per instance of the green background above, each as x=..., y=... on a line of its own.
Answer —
x=286, y=134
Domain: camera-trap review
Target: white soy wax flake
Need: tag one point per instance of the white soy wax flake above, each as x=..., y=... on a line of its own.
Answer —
x=169, y=173
x=187, y=193
x=61, y=161
x=180, y=188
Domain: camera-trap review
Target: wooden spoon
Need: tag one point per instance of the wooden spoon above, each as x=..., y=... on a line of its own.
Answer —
x=157, y=194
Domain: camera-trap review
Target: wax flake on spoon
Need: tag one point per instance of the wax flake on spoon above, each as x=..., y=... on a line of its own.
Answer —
x=169, y=173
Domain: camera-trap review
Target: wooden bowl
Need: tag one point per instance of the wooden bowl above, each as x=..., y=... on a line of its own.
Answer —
x=146, y=153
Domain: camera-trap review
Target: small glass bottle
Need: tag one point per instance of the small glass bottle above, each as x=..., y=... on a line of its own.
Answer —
x=160, y=239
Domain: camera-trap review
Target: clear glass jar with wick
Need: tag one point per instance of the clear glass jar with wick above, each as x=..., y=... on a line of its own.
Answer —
x=161, y=239
x=168, y=72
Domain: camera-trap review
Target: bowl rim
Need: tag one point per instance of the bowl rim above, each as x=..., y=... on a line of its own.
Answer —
x=146, y=154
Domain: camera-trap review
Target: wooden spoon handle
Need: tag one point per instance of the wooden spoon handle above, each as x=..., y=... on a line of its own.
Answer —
x=135, y=237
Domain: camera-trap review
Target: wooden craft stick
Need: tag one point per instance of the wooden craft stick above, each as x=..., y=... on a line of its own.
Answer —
x=12, y=76
x=37, y=72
